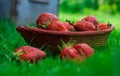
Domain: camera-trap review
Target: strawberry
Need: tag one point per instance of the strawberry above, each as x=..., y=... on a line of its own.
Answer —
x=91, y=19
x=69, y=26
x=70, y=53
x=56, y=26
x=102, y=26
x=84, y=49
x=84, y=26
x=45, y=19
x=28, y=53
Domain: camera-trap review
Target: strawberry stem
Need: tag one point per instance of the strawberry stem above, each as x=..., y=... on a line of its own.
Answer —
x=42, y=26
x=109, y=24
x=71, y=22
x=70, y=43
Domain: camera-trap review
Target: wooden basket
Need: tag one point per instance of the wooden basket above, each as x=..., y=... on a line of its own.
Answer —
x=39, y=37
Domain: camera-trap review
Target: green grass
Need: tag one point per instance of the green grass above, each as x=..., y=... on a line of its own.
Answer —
x=105, y=61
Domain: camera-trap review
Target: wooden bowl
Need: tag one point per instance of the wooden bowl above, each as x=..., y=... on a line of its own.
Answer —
x=39, y=37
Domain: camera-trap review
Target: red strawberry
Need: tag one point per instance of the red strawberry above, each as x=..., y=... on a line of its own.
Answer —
x=84, y=26
x=102, y=26
x=28, y=53
x=69, y=26
x=56, y=26
x=84, y=49
x=91, y=19
x=70, y=53
x=45, y=19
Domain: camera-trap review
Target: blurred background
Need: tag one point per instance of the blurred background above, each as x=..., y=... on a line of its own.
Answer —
x=27, y=11
x=108, y=6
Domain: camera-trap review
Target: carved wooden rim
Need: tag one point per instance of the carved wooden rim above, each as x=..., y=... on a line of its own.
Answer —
x=37, y=30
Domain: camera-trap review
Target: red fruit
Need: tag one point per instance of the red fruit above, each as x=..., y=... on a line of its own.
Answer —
x=91, y=19
x=102, y=26
x=56, y=26
x=28, y=53
x=84, y=49
x=69, y=26
x=45, y=19
x=84, y=26
x=70, y=53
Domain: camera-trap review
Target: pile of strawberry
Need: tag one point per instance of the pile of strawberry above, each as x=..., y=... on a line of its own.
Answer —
x=77, y=52
x=50, y=21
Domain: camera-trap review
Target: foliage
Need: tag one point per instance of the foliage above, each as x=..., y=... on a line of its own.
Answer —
x=71, y=5
x=112, y=6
